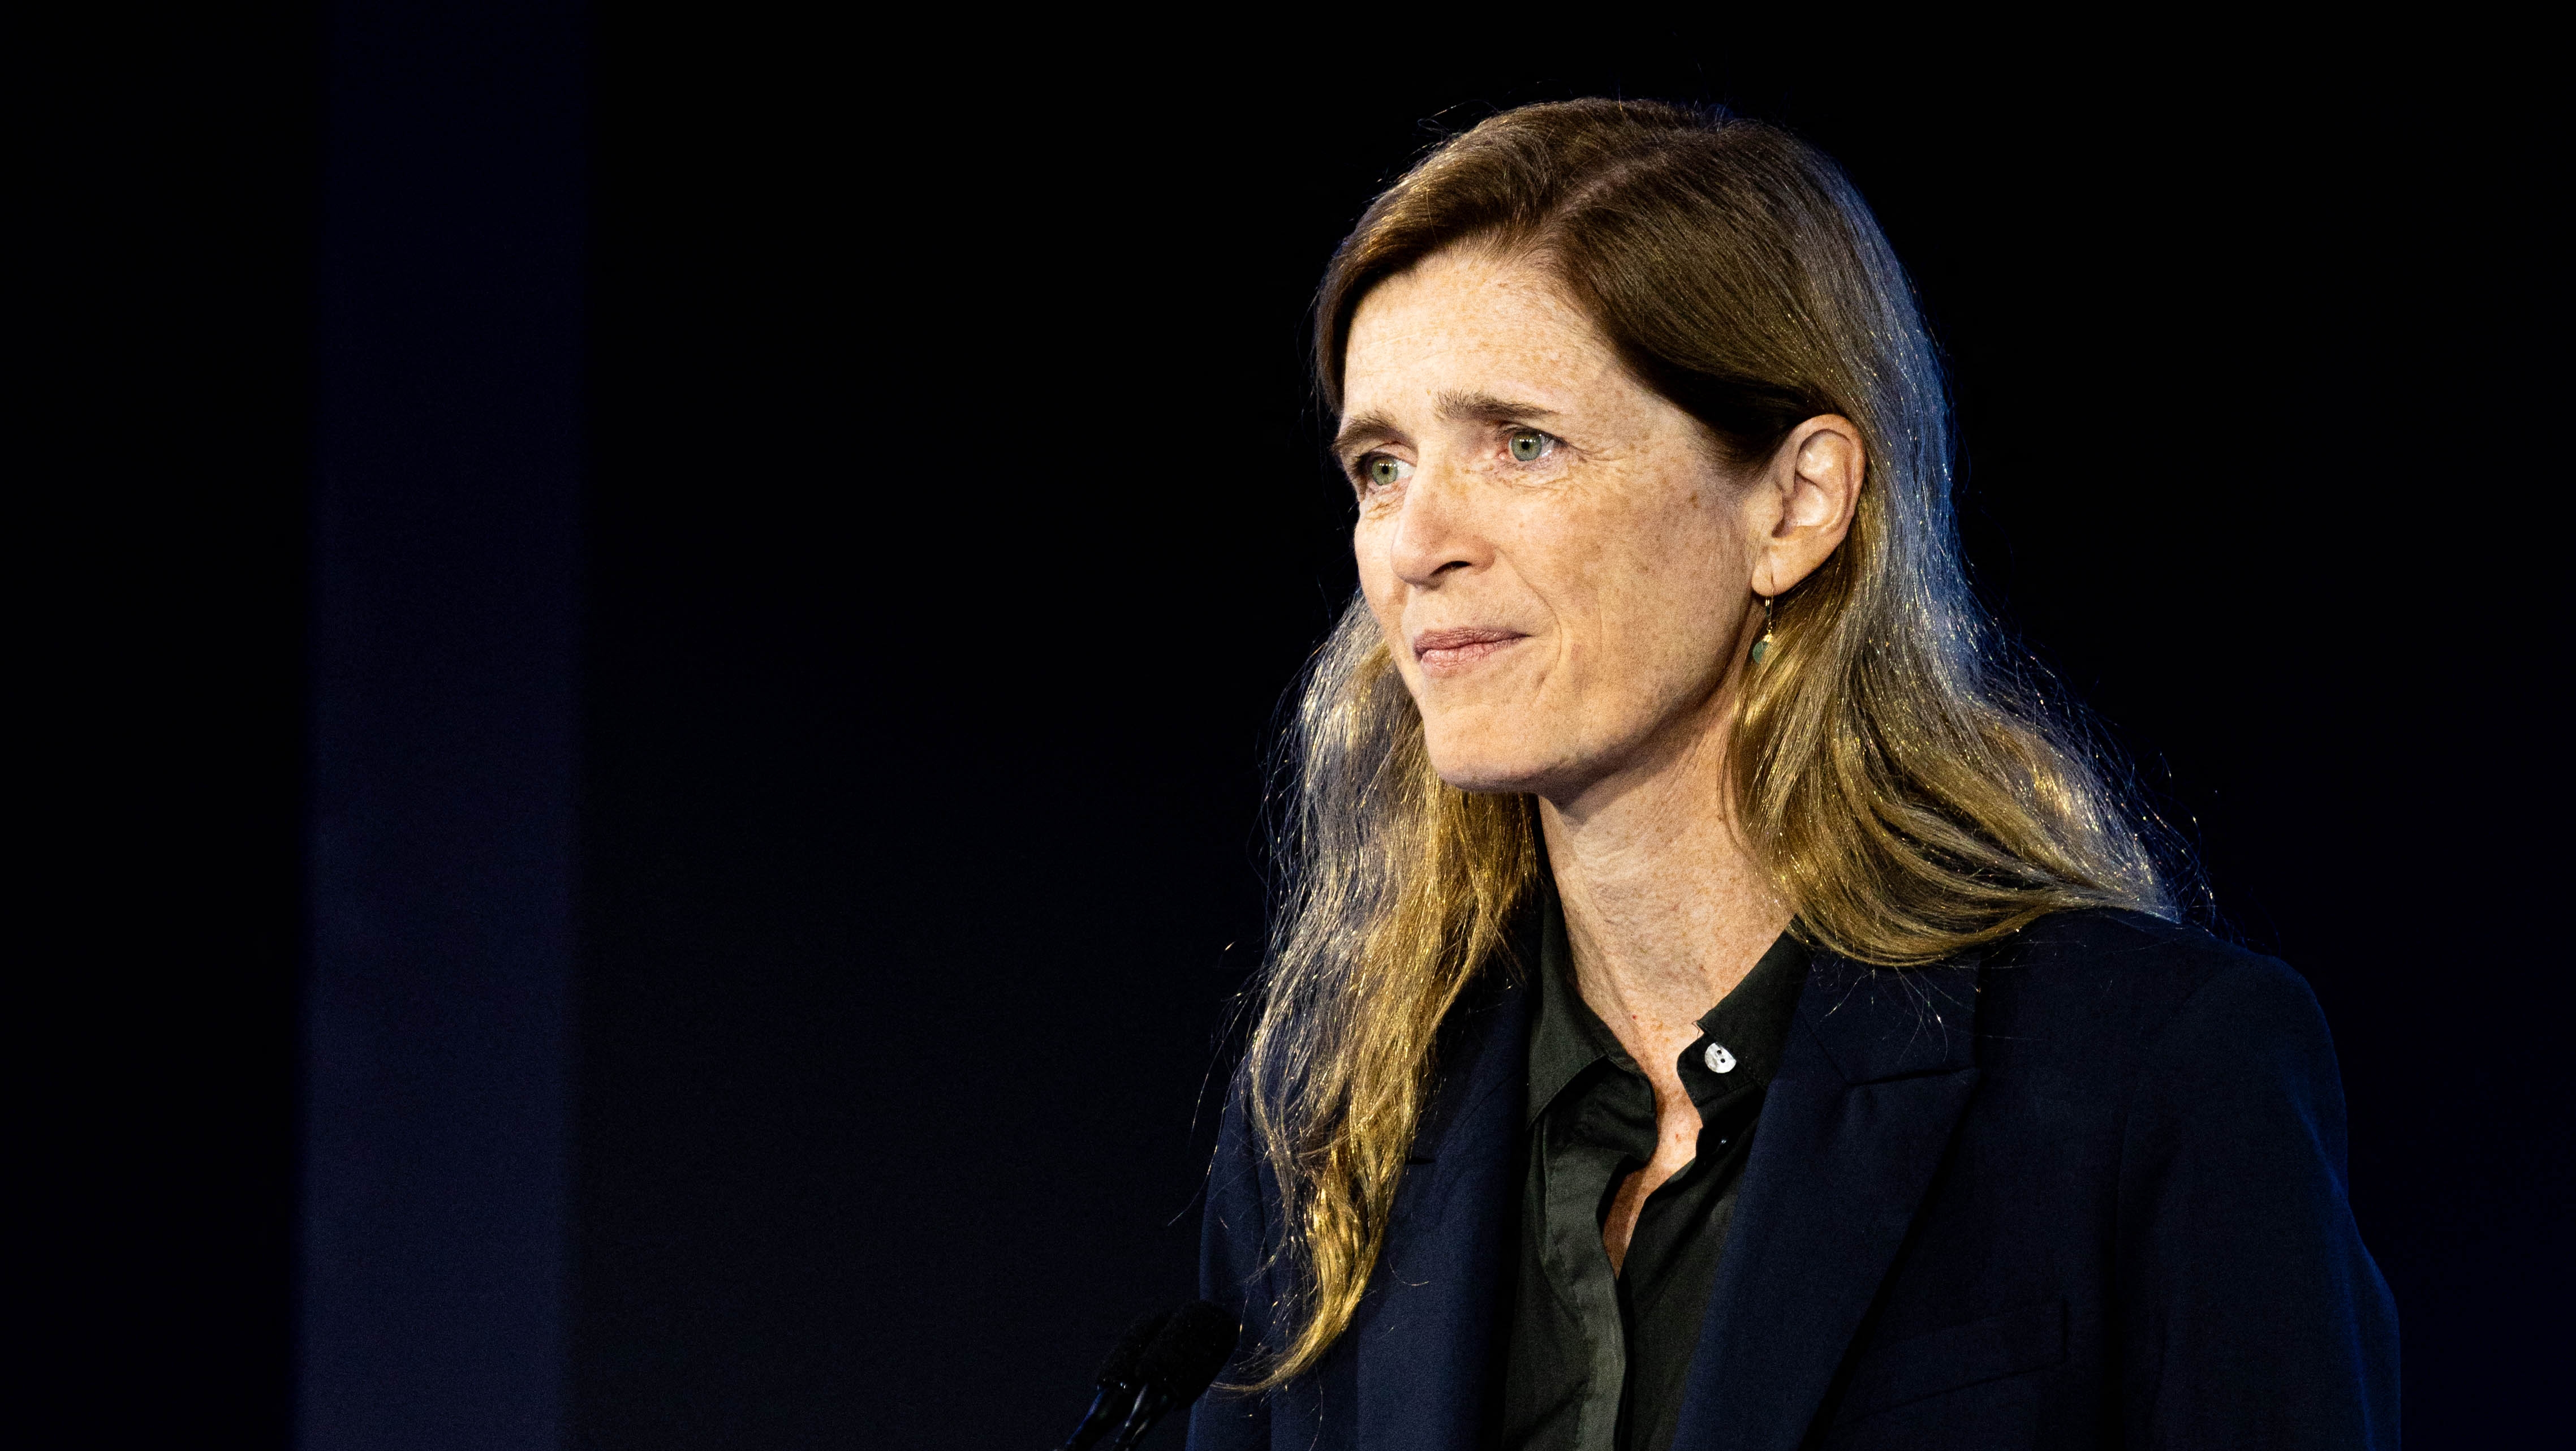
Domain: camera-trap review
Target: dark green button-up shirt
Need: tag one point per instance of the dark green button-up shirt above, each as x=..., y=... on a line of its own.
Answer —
x=1597, y=1360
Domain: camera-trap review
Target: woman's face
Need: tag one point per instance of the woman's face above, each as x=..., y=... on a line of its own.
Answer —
x=1560, y=562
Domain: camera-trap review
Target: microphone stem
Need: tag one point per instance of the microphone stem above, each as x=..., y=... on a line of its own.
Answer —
x=1151, y=1403
x=1113, y=1406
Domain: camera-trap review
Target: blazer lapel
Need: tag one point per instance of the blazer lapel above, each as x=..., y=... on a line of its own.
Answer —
x=1425, y=1334
x=1875, y=1075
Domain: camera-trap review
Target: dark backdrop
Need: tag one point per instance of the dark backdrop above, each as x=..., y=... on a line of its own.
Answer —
x=958, y=520
x=954, y=517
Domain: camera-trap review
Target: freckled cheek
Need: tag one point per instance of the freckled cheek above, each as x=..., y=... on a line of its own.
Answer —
x=1614, y=626
x=1368, y=550
x=1384, y=595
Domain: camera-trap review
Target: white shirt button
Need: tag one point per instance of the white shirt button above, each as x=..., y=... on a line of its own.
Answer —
x=1719, y=1060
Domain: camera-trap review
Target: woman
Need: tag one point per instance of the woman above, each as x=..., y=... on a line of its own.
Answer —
x=1716, y=1005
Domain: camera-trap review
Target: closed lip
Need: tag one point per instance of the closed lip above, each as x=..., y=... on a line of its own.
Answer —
x=1443, y=651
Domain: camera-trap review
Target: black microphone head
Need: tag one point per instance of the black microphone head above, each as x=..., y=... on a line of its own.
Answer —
x=1189, y=1349
x=1126, y=1358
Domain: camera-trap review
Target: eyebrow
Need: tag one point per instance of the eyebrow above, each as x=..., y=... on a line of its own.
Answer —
x=1451, y=408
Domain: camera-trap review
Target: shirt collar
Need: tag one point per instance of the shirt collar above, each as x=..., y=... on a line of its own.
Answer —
x=1569, y=1037
x=1750, y=1023
x=1748, y=1030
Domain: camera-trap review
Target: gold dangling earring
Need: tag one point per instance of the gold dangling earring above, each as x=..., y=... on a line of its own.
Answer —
x=1762, y=647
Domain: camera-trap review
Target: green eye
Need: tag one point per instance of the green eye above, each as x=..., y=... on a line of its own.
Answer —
x=1386, y=473
x=1528, y=445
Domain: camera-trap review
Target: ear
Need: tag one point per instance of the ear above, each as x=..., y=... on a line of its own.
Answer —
x=1802, y=502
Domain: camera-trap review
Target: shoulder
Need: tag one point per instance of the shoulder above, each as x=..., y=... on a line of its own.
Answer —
x=2135, y=980
x=2120, y=1007
x=2105, y=943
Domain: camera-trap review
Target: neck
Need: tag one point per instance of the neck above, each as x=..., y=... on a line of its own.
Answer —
x=1665, y=906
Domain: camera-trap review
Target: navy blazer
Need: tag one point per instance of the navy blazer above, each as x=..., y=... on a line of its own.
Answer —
x=2085, y=1188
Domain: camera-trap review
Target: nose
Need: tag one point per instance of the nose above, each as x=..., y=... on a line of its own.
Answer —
x=1435, y=530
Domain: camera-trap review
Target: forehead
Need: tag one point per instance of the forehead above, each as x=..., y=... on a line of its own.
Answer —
x=1470, y=321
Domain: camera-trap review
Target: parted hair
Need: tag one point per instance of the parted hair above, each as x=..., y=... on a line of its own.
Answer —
x=1901, y=774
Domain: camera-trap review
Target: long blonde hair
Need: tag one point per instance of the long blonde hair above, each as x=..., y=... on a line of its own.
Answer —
x=1899, y=773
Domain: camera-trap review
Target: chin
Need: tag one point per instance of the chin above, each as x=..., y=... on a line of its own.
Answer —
x=1486, y=768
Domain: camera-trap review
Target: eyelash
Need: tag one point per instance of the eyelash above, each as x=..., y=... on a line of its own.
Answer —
x=1359, y=471
x=1359, y=467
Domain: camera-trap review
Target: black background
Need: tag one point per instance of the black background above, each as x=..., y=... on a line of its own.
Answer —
x=955, y=519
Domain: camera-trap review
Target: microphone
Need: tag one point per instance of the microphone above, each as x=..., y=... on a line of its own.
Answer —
x=1163, y=1361
x=1118, y=1382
